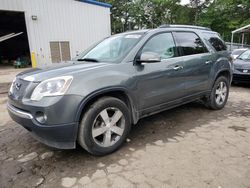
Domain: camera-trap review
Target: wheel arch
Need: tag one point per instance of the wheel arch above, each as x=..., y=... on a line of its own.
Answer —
x=118, y=92
x=223, y=72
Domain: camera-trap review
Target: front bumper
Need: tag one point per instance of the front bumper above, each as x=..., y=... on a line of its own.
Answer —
x=241, y=78
x=62, y=136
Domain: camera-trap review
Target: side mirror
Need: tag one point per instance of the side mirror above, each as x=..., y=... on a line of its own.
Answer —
x=149, y=57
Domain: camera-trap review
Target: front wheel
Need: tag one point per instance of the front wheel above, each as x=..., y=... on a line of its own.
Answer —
x=219, y=94
x=104, y=126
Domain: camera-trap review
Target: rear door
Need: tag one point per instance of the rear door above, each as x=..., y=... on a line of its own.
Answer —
x=197, y=62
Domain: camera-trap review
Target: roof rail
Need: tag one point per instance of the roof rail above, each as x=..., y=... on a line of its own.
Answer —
x=185, y=26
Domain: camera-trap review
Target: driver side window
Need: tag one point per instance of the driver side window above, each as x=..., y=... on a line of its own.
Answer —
x=161, y=44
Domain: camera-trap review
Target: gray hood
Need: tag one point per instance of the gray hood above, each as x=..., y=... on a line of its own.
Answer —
x=241, y=64
x=60, y=69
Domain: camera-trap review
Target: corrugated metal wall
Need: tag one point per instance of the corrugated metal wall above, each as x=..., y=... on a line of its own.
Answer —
x=79, y=23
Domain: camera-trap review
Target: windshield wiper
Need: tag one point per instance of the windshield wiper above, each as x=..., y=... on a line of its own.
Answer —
x=88, y=59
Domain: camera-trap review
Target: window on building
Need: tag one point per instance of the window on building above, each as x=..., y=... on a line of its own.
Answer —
x=189, y=43
x=162, y=44
x=60, y=51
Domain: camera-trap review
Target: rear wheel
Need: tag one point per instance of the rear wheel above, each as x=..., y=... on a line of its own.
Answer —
x=219, y=94
x=104, y=126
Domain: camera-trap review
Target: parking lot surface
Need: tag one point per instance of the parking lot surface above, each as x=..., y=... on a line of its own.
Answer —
x=189, y=146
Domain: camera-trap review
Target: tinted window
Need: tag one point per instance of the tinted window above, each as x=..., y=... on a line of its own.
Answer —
x=189, y=43
x=162, y=44
x=216, y=42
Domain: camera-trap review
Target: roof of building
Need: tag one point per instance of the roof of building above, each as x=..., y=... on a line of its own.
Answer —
x=94, y=2
x=245, y=29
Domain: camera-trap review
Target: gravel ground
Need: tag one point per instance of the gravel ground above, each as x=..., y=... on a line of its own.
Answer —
x=7, y=73
x=189, y=146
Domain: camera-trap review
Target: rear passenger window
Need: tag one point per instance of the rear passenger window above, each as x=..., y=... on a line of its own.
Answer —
x=162, y=44
x=189, y=43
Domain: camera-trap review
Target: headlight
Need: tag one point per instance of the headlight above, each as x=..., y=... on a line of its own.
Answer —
x=52, y=87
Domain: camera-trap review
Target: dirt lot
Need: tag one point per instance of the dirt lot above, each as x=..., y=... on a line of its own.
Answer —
x=189, y=146
x=7, y=73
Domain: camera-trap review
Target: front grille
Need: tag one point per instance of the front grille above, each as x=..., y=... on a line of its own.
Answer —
x=19, y=88
x=241, y=78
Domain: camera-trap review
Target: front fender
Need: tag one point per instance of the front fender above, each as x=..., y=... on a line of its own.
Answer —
x=108, y=90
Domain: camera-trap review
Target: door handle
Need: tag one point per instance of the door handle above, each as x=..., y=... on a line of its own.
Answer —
x=177, y=67
x=208, y=62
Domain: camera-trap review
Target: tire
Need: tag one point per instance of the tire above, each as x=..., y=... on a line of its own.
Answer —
x=212, y=101
x=97, y=132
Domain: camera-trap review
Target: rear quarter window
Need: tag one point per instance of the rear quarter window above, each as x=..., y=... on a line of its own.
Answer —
x=215, y=41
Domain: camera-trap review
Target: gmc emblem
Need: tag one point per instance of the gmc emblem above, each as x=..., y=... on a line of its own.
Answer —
x=17, y=86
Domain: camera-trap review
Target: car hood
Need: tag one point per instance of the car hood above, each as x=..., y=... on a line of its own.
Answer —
x=241, y=64
x=61, y=69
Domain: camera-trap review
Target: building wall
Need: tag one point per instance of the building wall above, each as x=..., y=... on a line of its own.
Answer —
x=81, y=24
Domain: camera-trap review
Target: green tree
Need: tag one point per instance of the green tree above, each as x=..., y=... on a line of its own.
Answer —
x=225, y=16
x=222, y=16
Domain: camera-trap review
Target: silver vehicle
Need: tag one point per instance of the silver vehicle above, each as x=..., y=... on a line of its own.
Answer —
x=235, y=53
x=242, y=68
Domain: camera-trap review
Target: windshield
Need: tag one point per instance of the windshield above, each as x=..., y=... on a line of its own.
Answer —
x=111, y=49
x=238, y=52
x=245, y=55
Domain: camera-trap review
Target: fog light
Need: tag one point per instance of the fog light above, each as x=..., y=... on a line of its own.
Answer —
x=41, y=117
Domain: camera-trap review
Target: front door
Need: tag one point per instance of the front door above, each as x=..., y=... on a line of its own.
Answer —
x=162, y=82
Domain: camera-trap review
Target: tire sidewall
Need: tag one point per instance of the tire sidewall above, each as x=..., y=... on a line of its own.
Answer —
x=85, y=132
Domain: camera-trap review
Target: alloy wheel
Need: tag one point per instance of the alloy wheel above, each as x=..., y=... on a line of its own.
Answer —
x=221, y=93
x=108, y=127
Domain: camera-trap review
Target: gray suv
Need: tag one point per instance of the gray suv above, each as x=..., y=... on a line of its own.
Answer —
x=95, y=98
